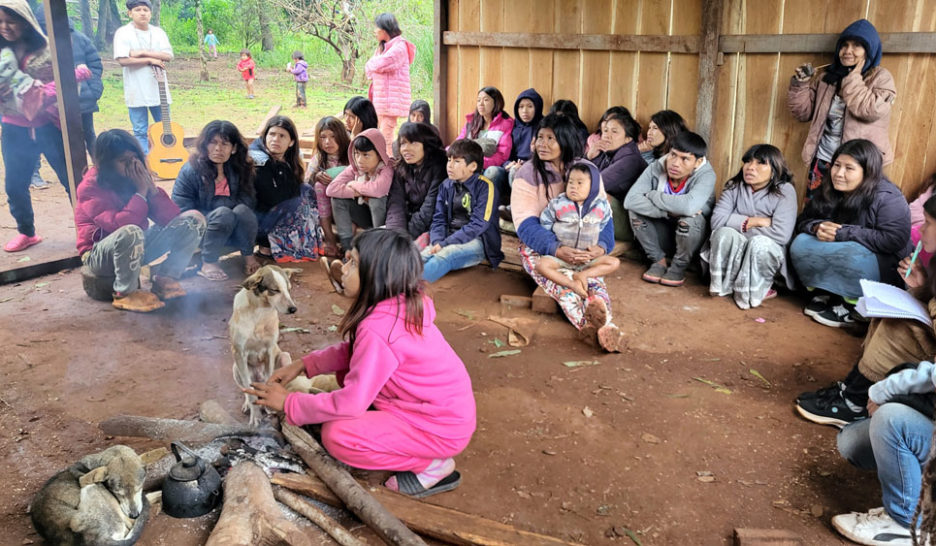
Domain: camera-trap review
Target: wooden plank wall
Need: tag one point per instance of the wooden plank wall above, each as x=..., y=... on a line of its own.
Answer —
x=595, y=80
x=751, y=94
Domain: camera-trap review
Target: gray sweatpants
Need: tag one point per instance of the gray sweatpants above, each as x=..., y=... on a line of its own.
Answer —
x=123, y=252
x=235, y=227
x=680, y=236
x=346, y=212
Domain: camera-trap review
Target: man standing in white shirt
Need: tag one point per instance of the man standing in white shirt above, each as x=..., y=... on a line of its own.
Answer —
x=140, y=47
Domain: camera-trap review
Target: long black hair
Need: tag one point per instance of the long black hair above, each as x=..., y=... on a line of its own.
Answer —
x=426, y=135
x=477, y=120
x=841, y=207
x=669, y=123
x=771, y=155
x=565, y=107
x=292, y=157
x=389, y=266
x=387, y=23
x=627, y=122
x=613, y=111
x=108, y=148
x=239, y=164
x=364, y=110
x=570, y=143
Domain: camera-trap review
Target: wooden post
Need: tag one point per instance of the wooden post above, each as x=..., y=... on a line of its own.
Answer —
x=708, y=55
x=63, y=65
x=440, y=67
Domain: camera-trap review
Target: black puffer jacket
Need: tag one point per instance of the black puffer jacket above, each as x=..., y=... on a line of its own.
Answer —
x=412, y=196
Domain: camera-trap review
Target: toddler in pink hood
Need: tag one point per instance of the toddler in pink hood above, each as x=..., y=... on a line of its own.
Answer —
x=396, y=360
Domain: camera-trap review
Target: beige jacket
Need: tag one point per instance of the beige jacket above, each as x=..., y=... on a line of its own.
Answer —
x=867, y=108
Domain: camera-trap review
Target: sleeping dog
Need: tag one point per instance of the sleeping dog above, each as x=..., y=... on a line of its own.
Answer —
x=98, y=500
x=254, y=330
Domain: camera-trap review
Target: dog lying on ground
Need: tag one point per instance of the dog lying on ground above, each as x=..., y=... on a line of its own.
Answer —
x=254, y=330
x=98, y=500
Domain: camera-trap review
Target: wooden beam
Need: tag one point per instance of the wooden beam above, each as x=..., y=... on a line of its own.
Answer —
x=589, y=42
x=438, y=522
x=892, y=42
x=708, y=55
x=63, y=66
x=440, y=66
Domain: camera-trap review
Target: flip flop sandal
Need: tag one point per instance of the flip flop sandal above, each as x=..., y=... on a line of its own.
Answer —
x=409, y=485
x=216, y=276
x=261, y=256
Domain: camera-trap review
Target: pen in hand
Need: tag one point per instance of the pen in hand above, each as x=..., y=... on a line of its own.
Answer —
x=913, y=257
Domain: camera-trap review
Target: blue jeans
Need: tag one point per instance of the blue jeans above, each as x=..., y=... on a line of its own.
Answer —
x=835, y=267
x=896, y=442
x=140, y=123
x=450, y=258
x=498, y=175
x=21, y=147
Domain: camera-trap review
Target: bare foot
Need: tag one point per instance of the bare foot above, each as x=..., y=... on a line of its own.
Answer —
x=212, y=272
x=251, y=264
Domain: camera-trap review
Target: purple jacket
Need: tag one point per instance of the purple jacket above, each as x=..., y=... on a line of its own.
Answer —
x=620, y=169
x=300, y=71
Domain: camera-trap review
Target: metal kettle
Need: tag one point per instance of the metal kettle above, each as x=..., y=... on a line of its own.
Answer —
x=192, y=487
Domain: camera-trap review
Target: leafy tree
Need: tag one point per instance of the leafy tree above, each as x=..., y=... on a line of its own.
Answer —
x=336, y=22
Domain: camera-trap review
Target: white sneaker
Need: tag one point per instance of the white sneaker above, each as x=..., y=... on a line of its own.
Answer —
x=874, y=528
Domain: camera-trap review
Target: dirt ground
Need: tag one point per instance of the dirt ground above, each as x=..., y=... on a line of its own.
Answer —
x=539, y=460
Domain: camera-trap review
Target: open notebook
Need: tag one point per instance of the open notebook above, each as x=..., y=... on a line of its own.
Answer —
x=884, y=300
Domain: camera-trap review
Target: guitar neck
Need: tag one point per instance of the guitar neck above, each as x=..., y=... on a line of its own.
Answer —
x=164, y=106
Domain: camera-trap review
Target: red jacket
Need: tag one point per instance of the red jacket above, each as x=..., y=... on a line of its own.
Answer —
x=100, y=212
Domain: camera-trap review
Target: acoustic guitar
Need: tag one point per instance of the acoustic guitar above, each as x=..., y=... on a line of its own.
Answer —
x=167, y=153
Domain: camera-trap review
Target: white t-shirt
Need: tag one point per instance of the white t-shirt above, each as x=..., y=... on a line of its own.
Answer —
x=140, y=86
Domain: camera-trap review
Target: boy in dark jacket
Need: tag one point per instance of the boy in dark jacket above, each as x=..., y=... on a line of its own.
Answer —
x=464, y=230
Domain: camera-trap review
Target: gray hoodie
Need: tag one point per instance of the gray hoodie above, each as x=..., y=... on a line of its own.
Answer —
x=646, y=196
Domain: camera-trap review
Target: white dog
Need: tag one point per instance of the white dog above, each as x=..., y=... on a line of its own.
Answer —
x=254, y=330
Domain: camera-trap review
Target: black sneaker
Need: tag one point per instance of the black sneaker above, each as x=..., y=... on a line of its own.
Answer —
x=830, y=409
x=817, y=305
x=833, y=389
x=837, y=316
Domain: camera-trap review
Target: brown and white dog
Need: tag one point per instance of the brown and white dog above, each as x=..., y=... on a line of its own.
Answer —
x=254, y=330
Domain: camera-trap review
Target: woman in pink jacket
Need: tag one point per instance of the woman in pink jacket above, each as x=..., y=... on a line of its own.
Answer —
x=396, y=360
x=388, y=71
x=491, y=127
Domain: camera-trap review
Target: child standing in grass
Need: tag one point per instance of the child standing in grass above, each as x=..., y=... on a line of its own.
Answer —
x=247, y=67
x=300, y=71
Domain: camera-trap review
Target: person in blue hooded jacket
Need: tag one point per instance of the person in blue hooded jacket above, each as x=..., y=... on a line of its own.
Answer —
x=528, y=112
x=577, y=217
x=848, y=100
x=464, y=228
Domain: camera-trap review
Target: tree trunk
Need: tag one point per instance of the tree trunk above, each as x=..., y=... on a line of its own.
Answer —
x=347, y=71
x=103, y=14
x=201, y=42
x=113, y=22
x=155, y=19
x=266, y=35
x=86, y=26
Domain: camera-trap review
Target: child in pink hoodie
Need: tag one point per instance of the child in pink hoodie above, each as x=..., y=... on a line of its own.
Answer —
x=359, y=194
x=396, y=360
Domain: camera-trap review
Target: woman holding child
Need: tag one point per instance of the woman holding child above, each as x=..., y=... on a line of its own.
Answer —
x=217, y=181
x=857, y=226
x=537, y=182
x=287, y=211
x=752, y=224
x=416, y=181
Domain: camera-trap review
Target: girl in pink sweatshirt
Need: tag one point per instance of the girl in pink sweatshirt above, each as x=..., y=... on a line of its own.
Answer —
x=396, y=360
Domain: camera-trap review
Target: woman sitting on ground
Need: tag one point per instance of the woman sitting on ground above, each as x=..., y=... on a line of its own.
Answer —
x=405, y=402
x=287, y=211
x=217, y=181
x=889, y=343
x=857, y=226
x=662, y=129
x=359, y=115
x=620, y=163
x=416, y=181
x=752, y=224
x=537, y=182
x=328, y=161
x=116, y=199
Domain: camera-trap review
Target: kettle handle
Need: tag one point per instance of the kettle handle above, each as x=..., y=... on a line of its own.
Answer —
x=176, y=446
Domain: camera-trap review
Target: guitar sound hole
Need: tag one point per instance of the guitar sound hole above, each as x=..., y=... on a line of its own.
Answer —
x=168, y=140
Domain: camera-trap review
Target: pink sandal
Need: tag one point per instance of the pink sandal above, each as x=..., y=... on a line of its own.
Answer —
x=22, y=242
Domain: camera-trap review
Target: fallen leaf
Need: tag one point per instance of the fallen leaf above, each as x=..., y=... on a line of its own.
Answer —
x=650, y=438
x=497, y=342
x=758, y=375
x=332, y=328
x=500, y=354
x=577, y=363
x=297, y=330
x=41, y=284
x=4, y=300
x=467, y=314
x=706, y=479
x=548, y=452
x=631, y=535
x=337, y=310
x=716, y=386
x=523, y=494
x=23, y=259
x=587, y=412
x=677, y=395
